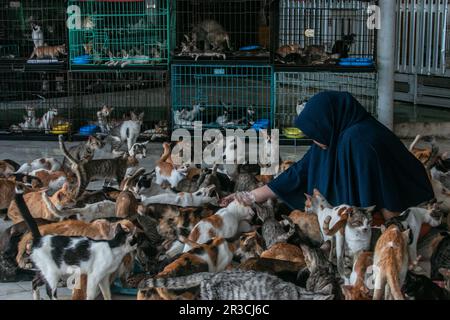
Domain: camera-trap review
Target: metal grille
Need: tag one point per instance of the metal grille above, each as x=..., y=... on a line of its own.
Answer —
x=16, y=19
x=39, y=90
x=118, y=33
x=324, y=22
x=245, y=21
x=423, y=31
x=125, y=91
x=238, y=87
x=293, y=87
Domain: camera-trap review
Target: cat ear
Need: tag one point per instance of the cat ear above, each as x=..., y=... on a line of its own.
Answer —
x=383, y=228
x=141, y=117
x=370, y=209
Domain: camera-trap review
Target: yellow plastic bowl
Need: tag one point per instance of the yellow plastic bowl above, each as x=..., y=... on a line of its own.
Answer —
x=61, y=128
x=293, y=133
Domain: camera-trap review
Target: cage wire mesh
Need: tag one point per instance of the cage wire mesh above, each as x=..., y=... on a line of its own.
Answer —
x=246, y=22
x=26, y=97
x=317, y=32
x=29, y=23
x=118, y=33
x=125, y=91
x=221, y=96
x=293, y=88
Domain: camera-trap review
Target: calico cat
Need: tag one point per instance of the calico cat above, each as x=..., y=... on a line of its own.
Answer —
x=227, y=223
x=322, y=274
x=391, y=261
x=50, y=164
x=52, y=52
x=272, y=230
x=412, y=219
x=351, y=236
x=420, y=287
x=52, y=180
x=237, y=285
x=128, y=131
x=166, y=171
x=56, y=256
x=84, y=150
x=100, y=168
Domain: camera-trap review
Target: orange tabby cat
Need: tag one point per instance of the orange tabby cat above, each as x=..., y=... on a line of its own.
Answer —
x=43, y=206
x=308, y=225
x=391, y=263
x=285, y=252
x=48, y=52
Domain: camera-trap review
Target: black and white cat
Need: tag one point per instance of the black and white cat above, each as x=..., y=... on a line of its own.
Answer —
x=60, y=256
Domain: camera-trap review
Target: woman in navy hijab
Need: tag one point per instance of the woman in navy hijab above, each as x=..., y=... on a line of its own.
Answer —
x=354, y=160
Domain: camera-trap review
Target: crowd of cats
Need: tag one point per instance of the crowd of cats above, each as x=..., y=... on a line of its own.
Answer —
x=173, y=224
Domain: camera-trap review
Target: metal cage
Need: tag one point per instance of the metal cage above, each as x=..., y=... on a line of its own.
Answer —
x=292, y=88
x=125, y=91
x=17, y=21
x=118, y=33
x=238, y=95
x=40, y=91
x=246, y=22
x=324, y=32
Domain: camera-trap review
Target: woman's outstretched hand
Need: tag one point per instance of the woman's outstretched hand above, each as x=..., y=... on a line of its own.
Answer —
x=224, y=202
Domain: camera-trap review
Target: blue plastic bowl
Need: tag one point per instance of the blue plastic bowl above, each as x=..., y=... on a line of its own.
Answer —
x=261, y=124
x=84, y=59
x=89, y=130
x=250, y=48
x=356, y=62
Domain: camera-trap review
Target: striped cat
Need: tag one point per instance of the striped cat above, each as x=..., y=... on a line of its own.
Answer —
x=100, y=168
x=237, y=285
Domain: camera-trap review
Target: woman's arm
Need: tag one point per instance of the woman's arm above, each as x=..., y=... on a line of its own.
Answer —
x=259, y=195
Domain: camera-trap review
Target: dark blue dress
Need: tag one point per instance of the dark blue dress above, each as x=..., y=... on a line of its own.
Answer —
x=365, y=164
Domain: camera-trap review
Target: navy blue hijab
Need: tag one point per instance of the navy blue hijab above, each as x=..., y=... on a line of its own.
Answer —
x=365, y=164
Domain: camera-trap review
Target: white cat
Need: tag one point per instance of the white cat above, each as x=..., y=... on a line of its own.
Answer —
x=128, y=131
x=183, y=199
x=413, y=219
x=47, y=119
x=37, y=36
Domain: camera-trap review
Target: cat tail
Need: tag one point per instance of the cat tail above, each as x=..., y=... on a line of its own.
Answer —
x=177, y=283
x=336, y=227
x=132, y=179
x=26, y=215
x=285, y=237
x=74, y=164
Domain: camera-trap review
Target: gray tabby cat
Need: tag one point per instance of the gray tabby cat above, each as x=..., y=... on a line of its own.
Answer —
x=237, y=285
x=245, y=179
x=86, y=170
x=322, y=274
x=272, y=230
x=128, y=131
x=85, y=150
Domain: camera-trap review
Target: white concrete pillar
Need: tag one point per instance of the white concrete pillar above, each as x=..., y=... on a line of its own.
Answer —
x=386, y=63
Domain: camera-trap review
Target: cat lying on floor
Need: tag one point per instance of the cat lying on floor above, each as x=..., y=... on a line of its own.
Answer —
x=199, y=198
